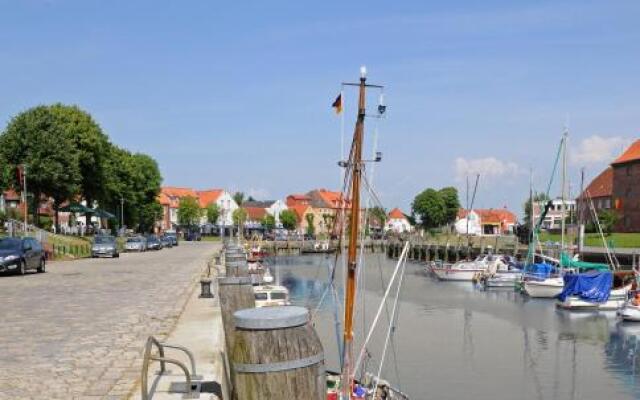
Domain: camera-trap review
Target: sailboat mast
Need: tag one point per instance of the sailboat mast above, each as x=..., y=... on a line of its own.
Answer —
x=564, y=188
x=354, y=226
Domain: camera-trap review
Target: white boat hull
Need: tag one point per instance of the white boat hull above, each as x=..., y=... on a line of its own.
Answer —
x=617, y=299
x=502, y=281
x=630, y=313
x=546, y=289
x=455, y=274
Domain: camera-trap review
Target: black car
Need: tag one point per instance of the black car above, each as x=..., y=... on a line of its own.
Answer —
x=153, y=243
x=21, y=254
x=193, y=235
x=166, y=241
x=173, y=236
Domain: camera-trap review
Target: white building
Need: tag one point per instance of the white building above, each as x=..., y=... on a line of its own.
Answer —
x=170, y=200
x=553, y=219
x=474, y=225
x=397, y=222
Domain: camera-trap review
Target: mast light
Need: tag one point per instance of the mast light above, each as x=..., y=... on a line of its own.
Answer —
x=363, y=72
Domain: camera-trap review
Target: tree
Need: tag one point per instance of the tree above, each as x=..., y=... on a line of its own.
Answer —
x=379, y=214
x=540, y=197
x=451, y=203
x=213, y=213
x=430, y=207
x=238, y=197
x=91, y=144
x=311, y=229
x=608, y=220
x=288, y=219
x=239, y=216
x=269, y=222
x=38, y=138
x=189, y=211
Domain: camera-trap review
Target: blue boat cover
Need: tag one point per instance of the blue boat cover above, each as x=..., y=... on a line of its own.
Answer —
x=539, y=271
x=592, y=286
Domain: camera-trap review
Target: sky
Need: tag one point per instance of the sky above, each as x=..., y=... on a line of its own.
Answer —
x=237, y=94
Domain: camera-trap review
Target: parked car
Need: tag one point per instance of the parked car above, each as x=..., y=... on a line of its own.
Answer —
x=166, y=241
x=173, y=236
x=21, y=254
x=104, y=246
x=153, y=243
x=136, y=243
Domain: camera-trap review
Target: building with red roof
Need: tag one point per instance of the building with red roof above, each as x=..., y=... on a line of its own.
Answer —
x=170, y=197
x=490, y=222
x=397, y=222
x=599, y=191
x=626, y=188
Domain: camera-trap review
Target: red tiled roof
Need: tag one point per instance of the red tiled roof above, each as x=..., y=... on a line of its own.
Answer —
x=11, y=195
x=255, y=213
x=396, y=213
x=632, y=153
x=299, y=210
x=207, y=197
x=601, y=186
x=491, y=215
x=332, y=199
x=296, y=198
x=173, y=191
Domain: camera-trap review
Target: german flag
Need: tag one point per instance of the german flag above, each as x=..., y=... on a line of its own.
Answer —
x=337, y=104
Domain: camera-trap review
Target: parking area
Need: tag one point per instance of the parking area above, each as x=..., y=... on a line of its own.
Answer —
x=77, y=331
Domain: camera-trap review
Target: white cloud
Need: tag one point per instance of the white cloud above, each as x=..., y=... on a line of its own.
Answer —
x=597, y=149
x=488, y=168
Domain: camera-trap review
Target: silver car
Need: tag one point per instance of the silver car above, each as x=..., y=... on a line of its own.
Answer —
x=137, y=243
x=104, y=246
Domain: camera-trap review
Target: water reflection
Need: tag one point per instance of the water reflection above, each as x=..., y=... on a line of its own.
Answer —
x=455, y=341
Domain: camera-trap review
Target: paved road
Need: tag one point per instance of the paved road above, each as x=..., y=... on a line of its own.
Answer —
x=77, y=331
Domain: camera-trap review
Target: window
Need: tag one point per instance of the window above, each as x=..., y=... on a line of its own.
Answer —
x=261, y=296
x=278, y=296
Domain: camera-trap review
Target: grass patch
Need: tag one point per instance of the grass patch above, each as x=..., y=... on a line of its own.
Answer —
x=619, y=240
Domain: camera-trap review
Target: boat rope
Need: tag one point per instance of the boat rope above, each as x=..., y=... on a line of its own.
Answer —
x=403, y=255
x=610, y=256
x=392, y=323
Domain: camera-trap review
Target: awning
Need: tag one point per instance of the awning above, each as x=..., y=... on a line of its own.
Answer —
x=100, y=213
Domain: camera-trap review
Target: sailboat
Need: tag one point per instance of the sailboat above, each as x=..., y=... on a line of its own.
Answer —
x=544, y=280
x=343, y=385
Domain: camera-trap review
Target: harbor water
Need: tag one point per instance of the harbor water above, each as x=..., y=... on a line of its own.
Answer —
x=454, y=341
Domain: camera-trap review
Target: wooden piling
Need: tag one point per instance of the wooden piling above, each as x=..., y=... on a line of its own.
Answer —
x=277, y=355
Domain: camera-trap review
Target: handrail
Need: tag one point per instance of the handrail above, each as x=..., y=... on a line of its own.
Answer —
x=151, y=341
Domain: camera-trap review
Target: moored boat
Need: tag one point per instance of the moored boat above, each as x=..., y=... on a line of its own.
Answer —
x=593, y=290
x=463, y=270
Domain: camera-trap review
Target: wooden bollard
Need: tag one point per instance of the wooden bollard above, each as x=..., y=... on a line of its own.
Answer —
x=234, y=293
x=277, y=355
x=235, y=262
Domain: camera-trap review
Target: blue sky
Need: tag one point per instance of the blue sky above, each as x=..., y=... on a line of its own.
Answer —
x=238, y=94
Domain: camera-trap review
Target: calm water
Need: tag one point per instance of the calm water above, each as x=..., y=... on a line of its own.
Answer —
x=457, y=342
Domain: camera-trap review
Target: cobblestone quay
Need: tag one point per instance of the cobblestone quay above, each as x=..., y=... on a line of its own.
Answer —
x=77, y=331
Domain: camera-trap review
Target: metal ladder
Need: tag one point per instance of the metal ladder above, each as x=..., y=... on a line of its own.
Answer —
x=191, y=390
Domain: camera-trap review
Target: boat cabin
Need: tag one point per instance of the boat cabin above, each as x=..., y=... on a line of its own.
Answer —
x=269, y=296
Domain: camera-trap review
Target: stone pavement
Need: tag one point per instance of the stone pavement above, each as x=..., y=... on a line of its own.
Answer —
x=78, y=331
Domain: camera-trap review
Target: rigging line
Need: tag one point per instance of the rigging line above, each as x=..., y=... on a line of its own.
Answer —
x=391, y=324
x=381, y=306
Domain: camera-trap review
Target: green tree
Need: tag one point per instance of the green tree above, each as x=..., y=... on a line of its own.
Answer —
x=608, y=220
x=91, y=145
x=269, y=222
x=213, y=213
x=451, y=203
x=239, y=216
x=430, y=207
x=540, y=197
x=38, y=137
x=238, y=197
x=189, y=211
x=288, y=219
x=379, y=214
x=311, y=229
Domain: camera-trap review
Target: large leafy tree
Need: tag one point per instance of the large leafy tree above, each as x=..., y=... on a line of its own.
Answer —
x=311, y=228
x=213, y=213
x=91, y=145
x=430, y=208
x=38, y=138
x=189, y=211
x=269, y=222
x=239, y=216
x=238, y=197
x=288, y=220
x=449, y=196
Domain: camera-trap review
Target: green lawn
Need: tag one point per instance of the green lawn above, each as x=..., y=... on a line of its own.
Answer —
x=621, y=240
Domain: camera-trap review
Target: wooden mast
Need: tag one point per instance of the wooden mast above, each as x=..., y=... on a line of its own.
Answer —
x=354, y=226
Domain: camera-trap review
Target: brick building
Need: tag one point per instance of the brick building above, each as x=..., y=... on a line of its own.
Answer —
x=626, y=189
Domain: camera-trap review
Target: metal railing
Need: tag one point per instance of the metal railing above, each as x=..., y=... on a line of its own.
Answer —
x=148, y=357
